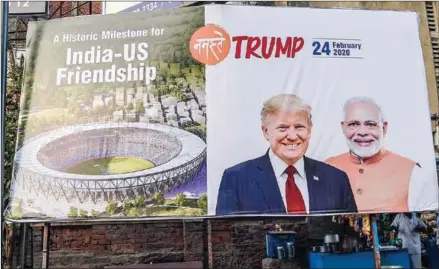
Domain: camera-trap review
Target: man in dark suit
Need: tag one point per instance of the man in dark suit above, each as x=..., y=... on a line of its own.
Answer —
x=284, y=180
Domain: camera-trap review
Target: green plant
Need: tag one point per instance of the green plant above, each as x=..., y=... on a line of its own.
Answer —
x=95, y=213
x=199, y=212
x=259, y=3
x=134, y=212
x=198, y=130
x=13, y=92
x=73, y=213
x=111, y=208
x=139, y=201
x=16, y=210
x=159, y=198
x=83, y=213
x=140, y=107
x=298, y=3
x=127, y=205
x=202, y=202
x=180, y=199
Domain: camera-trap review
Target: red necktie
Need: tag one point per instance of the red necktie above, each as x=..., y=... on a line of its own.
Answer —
x=295, y=202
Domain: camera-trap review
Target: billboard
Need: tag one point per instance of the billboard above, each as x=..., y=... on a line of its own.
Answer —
x=368, y=145
x=147, y=6
x=29, y=8
x=117, y=118
x=110, y=7
x=144, y=6
x=113, y=118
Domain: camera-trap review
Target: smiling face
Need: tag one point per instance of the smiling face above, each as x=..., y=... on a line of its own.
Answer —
x=364, y=129
x=288, y=133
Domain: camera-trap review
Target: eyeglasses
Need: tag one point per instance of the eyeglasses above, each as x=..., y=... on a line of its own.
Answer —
x=372, y=125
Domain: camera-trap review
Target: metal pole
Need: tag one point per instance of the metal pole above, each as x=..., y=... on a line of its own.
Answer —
x=205, y=244
x=209, y=245
x=23, y=246
x=4, y=11
x=375, y=240
x=437, y=230
x=45, y=263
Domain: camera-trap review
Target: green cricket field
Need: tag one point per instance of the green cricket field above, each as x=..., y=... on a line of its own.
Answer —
x=110, y=165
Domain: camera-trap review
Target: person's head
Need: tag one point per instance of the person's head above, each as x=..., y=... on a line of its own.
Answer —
x=364, y=126
x=286, y=124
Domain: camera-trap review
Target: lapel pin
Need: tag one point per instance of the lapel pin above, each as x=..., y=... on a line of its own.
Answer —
x=316, y=178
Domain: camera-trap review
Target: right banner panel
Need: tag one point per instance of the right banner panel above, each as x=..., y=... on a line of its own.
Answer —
x=314, y=111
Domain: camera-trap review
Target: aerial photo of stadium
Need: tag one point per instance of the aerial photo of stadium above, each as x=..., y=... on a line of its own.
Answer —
x=95, y=164
x=115, y=148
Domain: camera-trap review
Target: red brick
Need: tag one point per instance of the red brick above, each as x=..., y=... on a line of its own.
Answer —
x=99, y=237
x=104, y=242
x=100, y=232
x=97, y=247
x=67, y=6
x=220, y=237
x=100, y=227
x=118, y=241
x=133, y=236
x=233, y=242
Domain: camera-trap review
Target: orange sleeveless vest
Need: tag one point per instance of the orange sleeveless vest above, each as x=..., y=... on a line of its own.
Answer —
x=381, y=183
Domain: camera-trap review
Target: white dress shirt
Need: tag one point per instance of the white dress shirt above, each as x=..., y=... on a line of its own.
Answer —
x=406, y=231
x=279, y=167
x=423, y=190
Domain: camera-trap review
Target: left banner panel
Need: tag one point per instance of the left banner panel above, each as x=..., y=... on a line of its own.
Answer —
x=112, y=119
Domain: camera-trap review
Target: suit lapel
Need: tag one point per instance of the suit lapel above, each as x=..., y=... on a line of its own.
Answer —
x=266, y=181
x=310, y=170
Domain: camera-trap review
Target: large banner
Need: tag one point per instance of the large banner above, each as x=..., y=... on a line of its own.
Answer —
x=318, y=111
x=303, y=115
x=113, y=119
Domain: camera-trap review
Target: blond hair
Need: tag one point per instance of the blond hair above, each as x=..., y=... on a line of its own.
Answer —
x=285, y=101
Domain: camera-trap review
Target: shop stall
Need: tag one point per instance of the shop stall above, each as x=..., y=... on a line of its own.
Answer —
x=430, y=252
x=361, y=259
x=355, y=248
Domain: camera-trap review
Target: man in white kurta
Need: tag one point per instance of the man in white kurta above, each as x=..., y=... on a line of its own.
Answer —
x=408, y=227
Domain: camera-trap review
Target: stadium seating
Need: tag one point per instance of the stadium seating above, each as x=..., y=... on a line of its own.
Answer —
x=154, y=146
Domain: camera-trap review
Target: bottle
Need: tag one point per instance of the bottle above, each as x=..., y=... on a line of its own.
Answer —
x=290, y=250
x=280, y=253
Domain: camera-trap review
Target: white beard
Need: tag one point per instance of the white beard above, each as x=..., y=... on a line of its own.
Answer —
x=365, y=152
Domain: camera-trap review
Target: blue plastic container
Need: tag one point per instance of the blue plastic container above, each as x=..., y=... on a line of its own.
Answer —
x=275, y=239
x=432, y=253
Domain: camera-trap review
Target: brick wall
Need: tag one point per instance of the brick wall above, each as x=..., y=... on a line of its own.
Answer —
x=241, y=244
x=56, y=11
x=222, y=243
